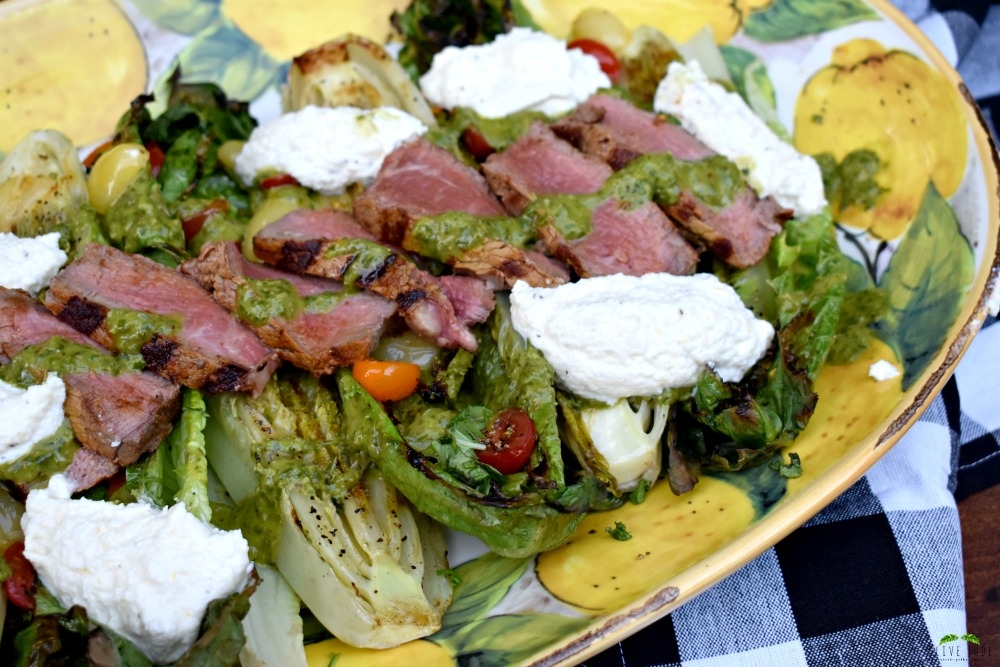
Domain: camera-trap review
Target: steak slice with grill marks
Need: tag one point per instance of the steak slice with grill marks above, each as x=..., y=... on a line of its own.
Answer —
x=501, y=265
x=540, y=163
x=739, y=234
x=317, y=340
x=209, y=350
x=419, y=179
x=306, y=241
x=617, y=132
x=622, y=240
x=118, y=416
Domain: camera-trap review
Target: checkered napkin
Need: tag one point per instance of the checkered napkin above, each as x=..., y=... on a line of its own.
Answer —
x=875, y=578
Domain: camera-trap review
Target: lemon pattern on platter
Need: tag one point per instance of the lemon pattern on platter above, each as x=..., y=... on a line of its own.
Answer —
x=850, y=405
x=678, y=19
x=287, y=28
x=597, y=573
x=78, y=79
x=892, y=103
x=335, y=652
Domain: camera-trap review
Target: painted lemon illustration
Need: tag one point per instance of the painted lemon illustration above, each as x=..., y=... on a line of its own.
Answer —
x=892, y=103
x=285, y=29
x=599, y=574
x=336, y=652
x=91, y=65
x=678, y=19
x=850, y=405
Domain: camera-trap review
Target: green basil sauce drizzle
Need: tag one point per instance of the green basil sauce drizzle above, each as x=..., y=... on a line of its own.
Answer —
x=656, y=177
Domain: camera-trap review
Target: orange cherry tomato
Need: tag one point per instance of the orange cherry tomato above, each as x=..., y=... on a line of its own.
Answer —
x=387, y=380
x=607, y=59
x=277, y=181
x=510, y=440
x=193, y=223
x=476, y=143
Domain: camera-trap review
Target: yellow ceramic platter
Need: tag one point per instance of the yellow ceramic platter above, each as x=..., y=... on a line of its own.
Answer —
x=856, y=76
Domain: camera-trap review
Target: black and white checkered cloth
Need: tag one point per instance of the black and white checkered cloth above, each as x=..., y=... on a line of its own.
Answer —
x=875, y=578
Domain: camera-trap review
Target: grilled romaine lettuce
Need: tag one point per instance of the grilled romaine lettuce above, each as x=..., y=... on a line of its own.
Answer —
x=348, y=543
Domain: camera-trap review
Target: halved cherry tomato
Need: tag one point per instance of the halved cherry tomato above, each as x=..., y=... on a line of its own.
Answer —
x=387, y=380
x=156, y=157
x=476, y=143
x=607, y=59
x=278, y=180
x=193, y=223
x=20, y=585
x=510, y=440
x=91, y=158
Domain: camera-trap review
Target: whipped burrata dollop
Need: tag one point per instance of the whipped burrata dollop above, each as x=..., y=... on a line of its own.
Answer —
x=148, y=574
x=29, y=415
x=327, y=149
x=522, y=70
x=724, y=123
x=617, y=336
x=29, y=263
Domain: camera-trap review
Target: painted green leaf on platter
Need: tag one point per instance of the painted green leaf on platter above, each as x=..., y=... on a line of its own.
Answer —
x=227, y=57
x=484, y=582
x=926, y=282
x=752, y=82
x=789, y=19
x=188, y=17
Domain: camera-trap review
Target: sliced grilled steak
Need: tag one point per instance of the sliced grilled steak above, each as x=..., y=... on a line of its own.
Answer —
x=416, y=180
x=24, y=322
x=318, y=341
x=307, y=241
x=739, y=234
x=89, y=469
x=501, y=265
x=119, y=416
x=617, y=132
x=210, y=350
x=540, y=163
x=471, y=298
x=630, y=241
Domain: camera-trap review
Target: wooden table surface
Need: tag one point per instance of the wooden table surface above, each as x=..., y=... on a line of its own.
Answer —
x=980, y=518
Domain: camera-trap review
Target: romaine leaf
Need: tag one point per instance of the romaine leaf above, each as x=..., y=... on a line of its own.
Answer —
x=428, y=26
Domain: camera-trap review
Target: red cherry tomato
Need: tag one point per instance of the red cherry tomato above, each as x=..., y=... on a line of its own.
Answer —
x=476, y=143
x=156, y=157
x=609, y=62
x=193, y=223
x=20, y=585
x=509, y=441
x=278, y=180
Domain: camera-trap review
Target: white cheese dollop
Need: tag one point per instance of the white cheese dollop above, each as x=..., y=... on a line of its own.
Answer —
x=522, y=70
x=327, y=149
x=29, y=263
x=723, y=122
x=883, y=370
x=147, y=574
x=29, y=415
x=616, y=336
